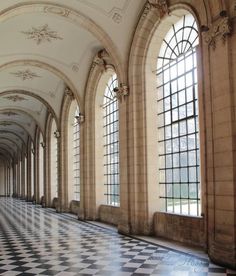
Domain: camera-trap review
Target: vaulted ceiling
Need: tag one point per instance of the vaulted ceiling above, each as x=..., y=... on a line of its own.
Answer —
x=47, y=46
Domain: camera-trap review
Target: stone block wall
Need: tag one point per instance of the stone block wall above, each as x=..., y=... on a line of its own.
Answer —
x=180, y=228
x=109, y=214
x=75, y=207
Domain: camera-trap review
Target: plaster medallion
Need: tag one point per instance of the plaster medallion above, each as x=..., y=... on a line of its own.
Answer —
x=42, y=34
x=25, y=74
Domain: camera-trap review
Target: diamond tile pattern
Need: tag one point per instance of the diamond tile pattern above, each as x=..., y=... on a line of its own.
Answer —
x=37, y=241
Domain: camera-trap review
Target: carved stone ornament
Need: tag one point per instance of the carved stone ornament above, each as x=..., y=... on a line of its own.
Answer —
x=160, y=5
x=69, y=92
x=57, y=134
x=121, y=92
x=218, y=30
x=80, y=118
x=102, y=59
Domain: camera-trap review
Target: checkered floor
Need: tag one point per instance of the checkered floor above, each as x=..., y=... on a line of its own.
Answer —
x=36, y=241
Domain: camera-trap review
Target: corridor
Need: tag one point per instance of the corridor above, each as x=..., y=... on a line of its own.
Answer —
x=37, y=241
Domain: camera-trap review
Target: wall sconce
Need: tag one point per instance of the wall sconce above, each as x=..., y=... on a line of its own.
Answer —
x=57, y=134
x=80, y=118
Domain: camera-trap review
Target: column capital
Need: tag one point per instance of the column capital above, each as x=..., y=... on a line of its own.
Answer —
x=218, y=30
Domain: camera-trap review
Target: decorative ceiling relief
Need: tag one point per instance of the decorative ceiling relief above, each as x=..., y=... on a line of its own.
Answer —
x=9, y=113
x=15, y=98
x=57, y=10
x=75, y=67
x=42, y=34
x=25, y=74
x=52, y=95
x=117, y=17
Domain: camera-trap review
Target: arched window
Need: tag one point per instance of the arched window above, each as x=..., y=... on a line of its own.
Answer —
x=111, y=143
x=76, y=156
x=179, y=165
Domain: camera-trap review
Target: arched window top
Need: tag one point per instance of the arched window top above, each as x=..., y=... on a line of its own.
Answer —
x=182, y=37
x=109, y=94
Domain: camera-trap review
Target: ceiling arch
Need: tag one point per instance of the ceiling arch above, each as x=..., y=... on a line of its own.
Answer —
x=13, y=137
x=36, y=108
x=67, y=13
x=5, y=158
x=17, y=112
x=9, y=142
x=14, y=134
x=4, y=148
x=48, y=47
x=9, y=122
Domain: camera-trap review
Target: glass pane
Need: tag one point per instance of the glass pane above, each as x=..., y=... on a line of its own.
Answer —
x=176, y=160
x=168, y=161
x=189, y=93
x=184, y=174
x=181, y=83
x=168, y=175
x=174, y=100
x=176, y=175
x=184, y=190
x=169, y=190
x=182, y=97
x=168, y=132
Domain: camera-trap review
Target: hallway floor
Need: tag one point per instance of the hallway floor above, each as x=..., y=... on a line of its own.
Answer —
x=37, y=241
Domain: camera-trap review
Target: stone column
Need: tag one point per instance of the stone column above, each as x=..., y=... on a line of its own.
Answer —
x=220, y=144
x=29, y=190
x=23, y=177
x=36, y=173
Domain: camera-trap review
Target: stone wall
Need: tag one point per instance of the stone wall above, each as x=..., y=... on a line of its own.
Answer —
x=109, y=214
x=180, y=228
x=74, y=207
